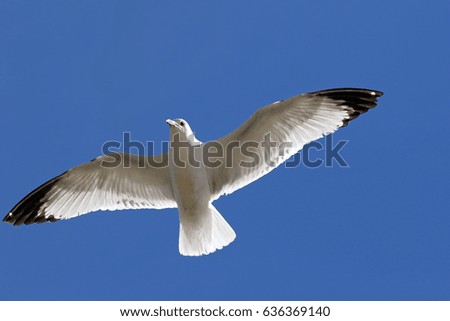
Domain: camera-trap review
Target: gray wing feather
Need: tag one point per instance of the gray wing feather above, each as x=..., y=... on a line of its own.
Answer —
x=111, y=182
x=291, y=124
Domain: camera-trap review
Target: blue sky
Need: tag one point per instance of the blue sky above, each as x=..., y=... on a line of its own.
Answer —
x=74, y=75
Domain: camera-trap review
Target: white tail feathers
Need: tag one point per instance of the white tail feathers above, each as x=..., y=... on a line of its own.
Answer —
x=205, y=235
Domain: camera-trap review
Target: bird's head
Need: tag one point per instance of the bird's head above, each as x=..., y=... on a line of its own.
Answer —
x=181, y=127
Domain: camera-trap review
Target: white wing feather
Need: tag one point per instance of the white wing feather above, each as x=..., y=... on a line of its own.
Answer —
x=111, y=182
x=298, y=121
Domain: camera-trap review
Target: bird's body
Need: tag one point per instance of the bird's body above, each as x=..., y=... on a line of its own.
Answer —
x=194, y=174
x=202, y=228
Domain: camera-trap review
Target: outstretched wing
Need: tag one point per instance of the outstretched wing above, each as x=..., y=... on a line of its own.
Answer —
x=286, y=126
x=111, y=182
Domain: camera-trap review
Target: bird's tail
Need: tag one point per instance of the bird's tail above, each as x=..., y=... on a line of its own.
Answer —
x=208, y=233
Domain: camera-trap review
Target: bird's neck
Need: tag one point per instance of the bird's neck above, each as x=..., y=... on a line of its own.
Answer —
x=191, y=139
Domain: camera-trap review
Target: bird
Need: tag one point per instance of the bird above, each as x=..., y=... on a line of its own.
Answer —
x=192, y=174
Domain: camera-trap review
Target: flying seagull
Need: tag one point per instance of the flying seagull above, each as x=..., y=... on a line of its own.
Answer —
x=192, y=174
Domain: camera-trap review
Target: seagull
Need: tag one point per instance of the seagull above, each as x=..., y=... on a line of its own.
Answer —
x=192, y=174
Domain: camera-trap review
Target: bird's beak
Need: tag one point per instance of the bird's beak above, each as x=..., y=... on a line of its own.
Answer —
x=173, y=123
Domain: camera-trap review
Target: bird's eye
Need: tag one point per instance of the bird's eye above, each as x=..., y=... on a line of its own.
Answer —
x=182, y=123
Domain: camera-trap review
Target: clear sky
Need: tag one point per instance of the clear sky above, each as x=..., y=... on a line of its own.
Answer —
x=74, y=75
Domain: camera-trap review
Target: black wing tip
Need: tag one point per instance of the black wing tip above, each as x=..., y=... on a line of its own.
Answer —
x=18, y=220
x=356, y=101
x=29, y=209
x=349, y=91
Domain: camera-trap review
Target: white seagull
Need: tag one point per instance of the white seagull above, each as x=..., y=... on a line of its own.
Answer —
x=194, y=174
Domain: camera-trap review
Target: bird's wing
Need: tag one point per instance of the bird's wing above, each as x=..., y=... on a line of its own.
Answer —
x=295, y=121
x=111, y=182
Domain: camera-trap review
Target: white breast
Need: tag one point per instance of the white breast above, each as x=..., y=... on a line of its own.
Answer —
x=189, y=180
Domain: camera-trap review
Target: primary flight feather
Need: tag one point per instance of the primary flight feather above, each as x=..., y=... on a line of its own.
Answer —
x=194, y=174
